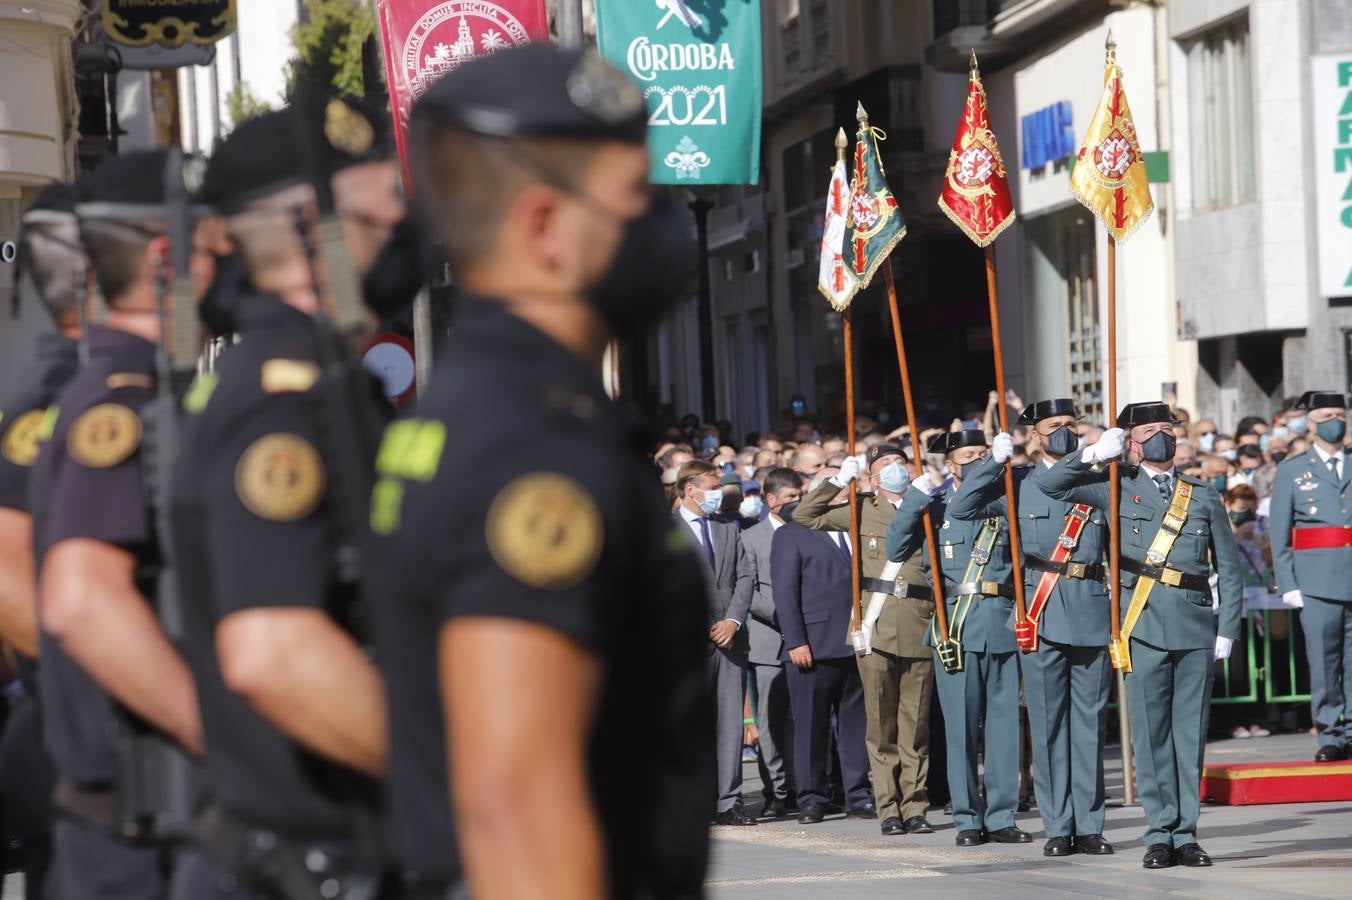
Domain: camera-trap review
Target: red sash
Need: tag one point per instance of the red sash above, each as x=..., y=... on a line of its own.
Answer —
x=1065, y=546
x=1321, y=537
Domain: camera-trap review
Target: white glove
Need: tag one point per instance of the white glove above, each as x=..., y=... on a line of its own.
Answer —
x=849, y=471
x=1002, y=448
x=1293, y=600
x=1223, y=647
x=925, y=483
x=1106, y=448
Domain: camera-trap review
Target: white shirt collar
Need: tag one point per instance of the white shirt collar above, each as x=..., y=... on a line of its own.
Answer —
x=1324, y=456
x=690, y=518
x=776, y=522
x=1151, y=471
x=1047, y=463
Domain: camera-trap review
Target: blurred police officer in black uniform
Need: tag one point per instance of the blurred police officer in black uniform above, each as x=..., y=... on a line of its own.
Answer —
x=107, y=667
x=536, y=609
x=50, y=270
x=293, y=709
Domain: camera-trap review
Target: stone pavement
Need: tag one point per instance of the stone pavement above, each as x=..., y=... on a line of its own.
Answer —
x=1292, y=850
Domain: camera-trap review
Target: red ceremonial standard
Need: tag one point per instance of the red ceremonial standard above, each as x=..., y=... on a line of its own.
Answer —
x=976, y=189
x=425, y=39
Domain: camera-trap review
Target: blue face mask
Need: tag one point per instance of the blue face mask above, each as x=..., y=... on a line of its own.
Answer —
x=894, y=478
x=751, y=507
x=1218, y=482
x=1297, y=425
x=1229, y=454
x=711, y=501
x=1206, y=441
x=1331, y=430
x=709, y=442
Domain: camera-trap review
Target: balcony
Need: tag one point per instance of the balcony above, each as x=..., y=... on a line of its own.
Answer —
x=1002, y=31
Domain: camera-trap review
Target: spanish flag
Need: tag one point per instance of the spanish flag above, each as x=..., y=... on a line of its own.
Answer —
x=976, y=188
x=1109, y=176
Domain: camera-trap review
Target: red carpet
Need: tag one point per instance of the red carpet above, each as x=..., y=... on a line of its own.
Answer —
x=1242, y=784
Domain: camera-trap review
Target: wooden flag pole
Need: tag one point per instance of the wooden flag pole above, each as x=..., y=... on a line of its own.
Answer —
x=855, y=615
x=917, y=454
x=1020, y=610
x=1115, y=549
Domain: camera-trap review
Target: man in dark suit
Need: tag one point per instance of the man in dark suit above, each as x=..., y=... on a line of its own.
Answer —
x=773, y=718
x=720, y=546
x=811, y=574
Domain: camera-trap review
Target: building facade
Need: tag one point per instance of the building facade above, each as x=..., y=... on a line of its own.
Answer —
x=1260, y=95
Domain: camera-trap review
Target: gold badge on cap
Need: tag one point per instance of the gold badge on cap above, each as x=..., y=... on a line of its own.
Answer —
x=280, y=478
x=22, y=438
x=544, y=529
x=104, y=436
x=347, y=129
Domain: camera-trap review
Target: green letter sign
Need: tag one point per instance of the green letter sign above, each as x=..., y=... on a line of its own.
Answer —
x=701, y=75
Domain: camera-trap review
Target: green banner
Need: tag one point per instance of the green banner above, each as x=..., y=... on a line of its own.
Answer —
x=699, y=64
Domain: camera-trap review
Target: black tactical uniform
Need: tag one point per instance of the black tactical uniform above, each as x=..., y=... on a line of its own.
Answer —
x=256, y=527
x=87, y=484
x=559, y=522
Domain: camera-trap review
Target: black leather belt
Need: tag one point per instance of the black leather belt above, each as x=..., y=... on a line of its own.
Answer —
x=1167, y=576
x=981, y=589
x=95, y=806
x=897, y=588
x=1089, y=571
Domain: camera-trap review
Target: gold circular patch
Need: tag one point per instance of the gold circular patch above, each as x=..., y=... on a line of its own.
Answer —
x=544, y=529
x=21, y=442
x=104, y=436
x=280, y=478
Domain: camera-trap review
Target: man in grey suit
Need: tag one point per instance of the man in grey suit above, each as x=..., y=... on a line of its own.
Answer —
x=720, y=546
x=783, y=487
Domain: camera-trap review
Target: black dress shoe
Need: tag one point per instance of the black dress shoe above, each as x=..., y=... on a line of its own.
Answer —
x=948, y=808
x=1061, y=845
x=1192, y=856
x=811, y=815
x=1011, y=835
x=918, y=825
x=1093, y=844
x=737, y=816
x=775, y=809
x=1330, y=753
x=866, y=810
x=1158, y=856
x=971, y=838
x=892, y=826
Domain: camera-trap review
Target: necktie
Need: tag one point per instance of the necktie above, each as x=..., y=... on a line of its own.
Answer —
x=708, y=541
x=1333, y=467
x=840, y=543
x=1163, y=481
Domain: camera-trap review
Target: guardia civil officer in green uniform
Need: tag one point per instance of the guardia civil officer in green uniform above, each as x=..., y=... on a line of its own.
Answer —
x=535, y=606
x=1067, y=679
x=982, y=696
x=898, y=669
x=292, y=707
x=1173, y=531
x=1310, y=525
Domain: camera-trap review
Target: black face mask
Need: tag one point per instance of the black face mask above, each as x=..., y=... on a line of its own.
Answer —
x=651, y=271
x=399, y=271
x=219, y=306
x=968, y=468
x=786, y=511
x=1277, y=456
x=1062, y=441
x=1159, y=447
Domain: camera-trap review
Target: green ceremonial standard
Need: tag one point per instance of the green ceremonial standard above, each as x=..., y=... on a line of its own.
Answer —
x=874, y=224
x=701, y=77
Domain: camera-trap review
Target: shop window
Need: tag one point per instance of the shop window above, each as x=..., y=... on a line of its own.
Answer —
x=1220, y=116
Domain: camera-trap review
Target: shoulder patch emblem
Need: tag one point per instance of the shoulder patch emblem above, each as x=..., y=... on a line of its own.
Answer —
x=22, y=438
x=280, y=478
x=283, y=375
x=129, y=380
x=104, y=436
x=544, y=529
x=199, y=392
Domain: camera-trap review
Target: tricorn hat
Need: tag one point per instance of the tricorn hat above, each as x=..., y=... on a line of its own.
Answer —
x=1134, y=414
x=951, y=440
x=1321, y=400
x=1045, y=409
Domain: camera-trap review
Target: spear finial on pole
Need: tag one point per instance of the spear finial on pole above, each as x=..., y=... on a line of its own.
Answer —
x=973, y=63
x=861, y=115
x=1110, y=46
x=842, y=144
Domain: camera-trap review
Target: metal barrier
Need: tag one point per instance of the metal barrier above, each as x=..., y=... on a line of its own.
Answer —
x=1268, y=662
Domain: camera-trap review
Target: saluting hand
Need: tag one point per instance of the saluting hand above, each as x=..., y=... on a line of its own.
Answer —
x=801, y=656
x=1106, y=448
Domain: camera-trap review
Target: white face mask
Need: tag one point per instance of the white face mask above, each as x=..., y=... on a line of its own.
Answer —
x=751, y=507
x=710, y=501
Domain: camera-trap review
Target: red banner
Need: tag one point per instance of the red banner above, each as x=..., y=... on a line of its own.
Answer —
x=425, y=39
x=976, y=190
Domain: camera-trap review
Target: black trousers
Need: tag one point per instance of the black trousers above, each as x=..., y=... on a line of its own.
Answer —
x=829, y=691
x=26, y=782
x=88, y=863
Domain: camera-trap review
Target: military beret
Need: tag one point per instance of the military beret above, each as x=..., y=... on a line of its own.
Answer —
x=730, y=479
x=1321, y=400
x=878, y=451
x=133, y=186
x=1134, y=414
x=1045, y=409
x=260, y=157
x=538, y=90
x=55, y=203
x=952, y=440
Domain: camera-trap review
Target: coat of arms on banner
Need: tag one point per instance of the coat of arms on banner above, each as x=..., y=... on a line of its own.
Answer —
x=451, y=34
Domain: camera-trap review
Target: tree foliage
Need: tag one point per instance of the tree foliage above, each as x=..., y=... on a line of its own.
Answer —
x=328, y=44
x=241, y=104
